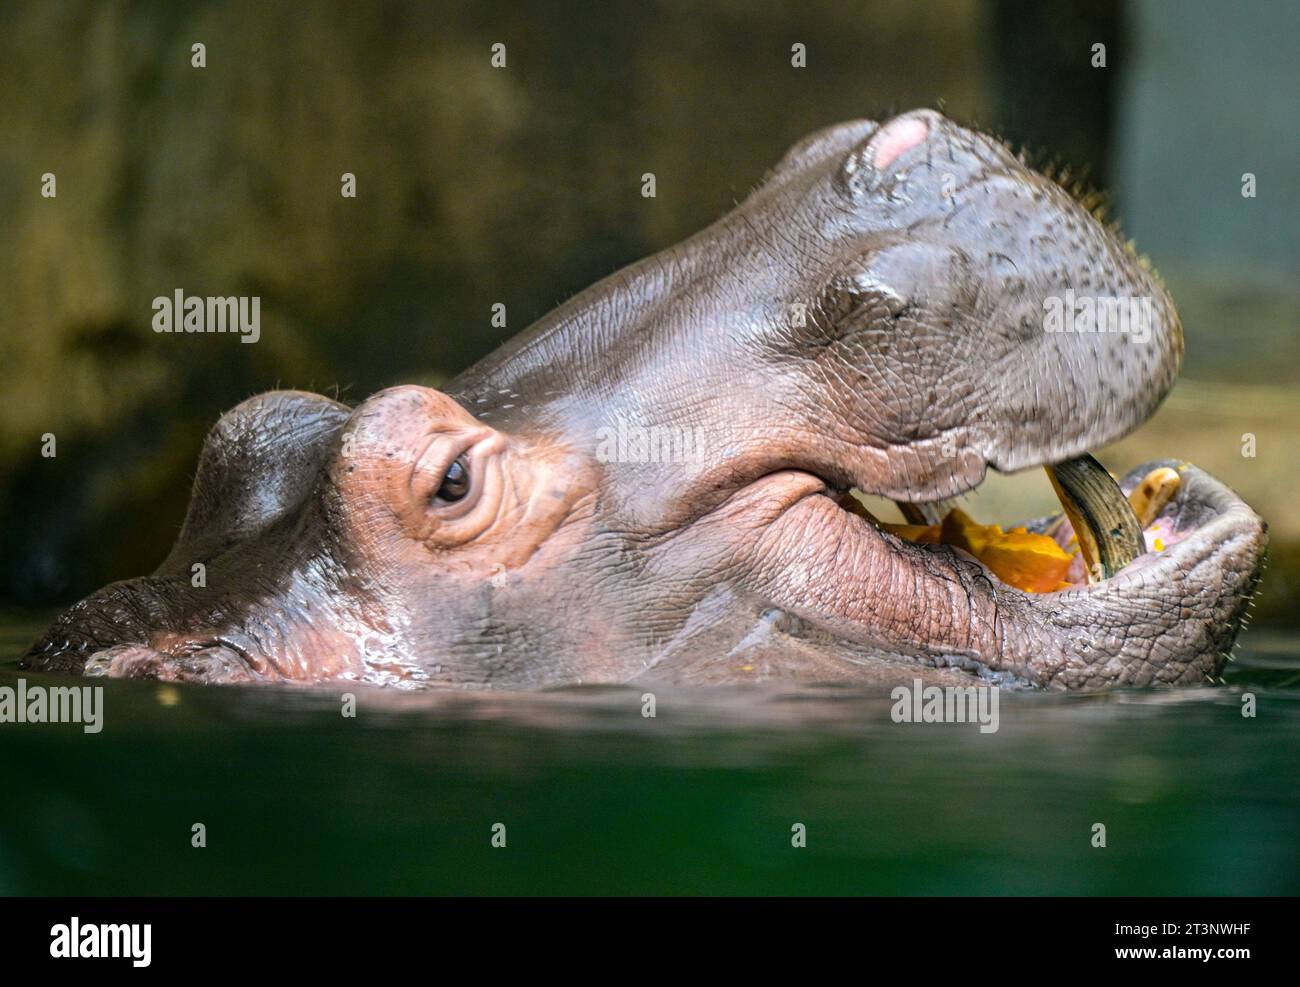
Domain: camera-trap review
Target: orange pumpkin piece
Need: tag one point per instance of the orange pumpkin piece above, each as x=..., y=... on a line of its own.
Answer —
x=1030, y=562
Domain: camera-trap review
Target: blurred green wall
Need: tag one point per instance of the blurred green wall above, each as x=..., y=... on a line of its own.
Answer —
x=476, y=185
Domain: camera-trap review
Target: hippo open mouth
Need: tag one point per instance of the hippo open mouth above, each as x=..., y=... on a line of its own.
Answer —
x=1137, y=624
x=653, y=481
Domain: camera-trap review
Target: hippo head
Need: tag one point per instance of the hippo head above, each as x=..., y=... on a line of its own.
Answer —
x=651, y=482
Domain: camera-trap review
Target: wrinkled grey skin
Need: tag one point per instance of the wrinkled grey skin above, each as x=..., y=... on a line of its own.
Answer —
x=872, y=316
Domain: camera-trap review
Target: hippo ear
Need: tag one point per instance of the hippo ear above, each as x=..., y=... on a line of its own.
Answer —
x=830, y=141
x=259, y=462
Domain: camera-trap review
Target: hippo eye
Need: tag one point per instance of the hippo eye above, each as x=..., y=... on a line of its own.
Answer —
x=455, y=484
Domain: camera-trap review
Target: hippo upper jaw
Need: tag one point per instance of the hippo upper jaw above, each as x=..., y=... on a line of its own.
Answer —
x=898, y=308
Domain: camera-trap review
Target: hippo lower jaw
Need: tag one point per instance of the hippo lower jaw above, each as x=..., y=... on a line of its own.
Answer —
x=1169, y=616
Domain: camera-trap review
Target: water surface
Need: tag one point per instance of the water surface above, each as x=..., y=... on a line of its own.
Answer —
x=594, y=797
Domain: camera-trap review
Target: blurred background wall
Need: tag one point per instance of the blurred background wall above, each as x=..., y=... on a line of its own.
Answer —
x=521, y=185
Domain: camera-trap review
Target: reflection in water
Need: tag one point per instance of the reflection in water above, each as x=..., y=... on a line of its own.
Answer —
x=702, y=796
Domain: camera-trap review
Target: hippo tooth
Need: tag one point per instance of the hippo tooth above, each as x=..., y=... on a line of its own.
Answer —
x=1109, y=533
x=927, y=512
x=1151, y=495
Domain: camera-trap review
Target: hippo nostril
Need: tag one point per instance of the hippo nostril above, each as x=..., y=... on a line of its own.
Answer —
x=122, y=660
x=98, y=664
x=896, y=137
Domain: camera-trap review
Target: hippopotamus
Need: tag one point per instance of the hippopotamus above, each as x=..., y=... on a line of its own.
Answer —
x=650, y=483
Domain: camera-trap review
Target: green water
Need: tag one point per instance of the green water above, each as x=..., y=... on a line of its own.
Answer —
x=594, y=797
